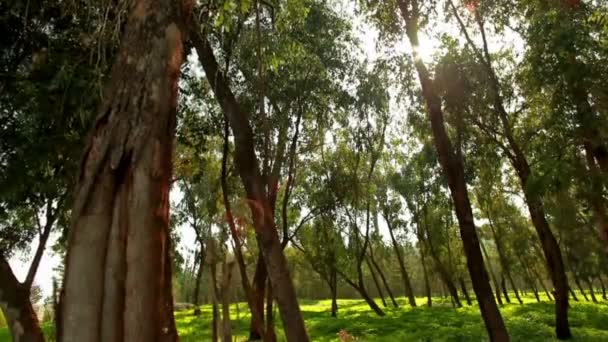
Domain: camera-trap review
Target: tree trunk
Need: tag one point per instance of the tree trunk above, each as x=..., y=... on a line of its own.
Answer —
x=257, y=315
x=503, y=284
x=463, y=287
x=262, y=215
x=591, y=291
x=375, y=279
x=334, y=299
x=215, y=323
x=224, y=291
x=269, y=314
x=407, y=285
x=492, y=274
x=16, y=306
x=383, y=278
x=427, y=285
x=514, y=288
x=360, y=287
x=603, y=287
x=453, y=169
x=199, y=277
x=118, y=269
x=573, y=294
x=580, y=288
x=443, y=271
x=258, y=291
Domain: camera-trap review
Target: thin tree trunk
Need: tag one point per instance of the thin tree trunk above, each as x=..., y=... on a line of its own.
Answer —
x=591, y=291
x=407, y=285
x=463, y=287
x=199, y=277
x=427, y=286
x=573, y=294
x=334, y=297
x=215, y=323
x=269, y=313
x=453, y=169
x=258, y=291
x=257, y=315
x=599, y=278
x=360, y=287
x=443, y=272
x=375, y=279
x=496, y=284
x=383, y=278
x=514, y=288
x=117, y=284
x=503, y=284
x=261, y=212
x=225, y=286
x=580, y=288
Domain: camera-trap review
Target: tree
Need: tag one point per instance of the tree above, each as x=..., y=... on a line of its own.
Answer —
x=117, y=282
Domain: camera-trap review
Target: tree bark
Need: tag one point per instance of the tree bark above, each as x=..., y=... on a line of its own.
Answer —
x=453, y=169
x=262, y=215
x=118, y=269
x=16, y=306
x=427, y=285
x=258, y=291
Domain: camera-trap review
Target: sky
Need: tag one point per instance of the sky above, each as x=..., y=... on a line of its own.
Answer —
x=368, y=35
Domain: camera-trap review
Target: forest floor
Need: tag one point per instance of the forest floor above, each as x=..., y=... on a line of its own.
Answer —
x=529, y=322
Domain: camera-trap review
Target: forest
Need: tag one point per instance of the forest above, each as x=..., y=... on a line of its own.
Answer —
x=303, y=170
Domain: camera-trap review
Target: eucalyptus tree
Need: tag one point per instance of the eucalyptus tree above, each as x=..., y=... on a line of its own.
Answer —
x=509, y=140
x=406, y=17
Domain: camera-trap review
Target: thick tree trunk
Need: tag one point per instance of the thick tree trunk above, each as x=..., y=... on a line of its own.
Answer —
x=118, y=270
x=261, y=212
x=407, y=285
x=453, y=169
x=463, y=287
x=16, y=306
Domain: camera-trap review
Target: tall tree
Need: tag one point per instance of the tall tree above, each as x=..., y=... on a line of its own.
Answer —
x=117, y=284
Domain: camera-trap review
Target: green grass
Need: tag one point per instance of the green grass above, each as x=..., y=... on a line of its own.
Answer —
x=529, y=322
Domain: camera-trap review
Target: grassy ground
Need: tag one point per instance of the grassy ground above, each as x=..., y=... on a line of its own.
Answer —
x=529, y=322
